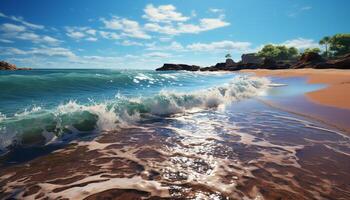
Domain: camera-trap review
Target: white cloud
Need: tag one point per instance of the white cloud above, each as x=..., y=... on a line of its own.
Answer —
x=216, y=10
x=221, y=45
x=35, y=38
x=128, y=27
x=91, y=31
x=76, y=35
x=81, y=33
x=45, y=51
x=131, y=43
x=55, y=51
x=11, y=28
x=50, y=40
x=28, y=36
x=165, y=39
x=91, y=39
x=5, y=41
x=102, y=58
x=11, y=51
x=163, y=13
x=157, y=55
x=109, y=35
x=30, y=25
x=12, y=31
x=22, y=21
x=301, y=43
x=173, y=46
x=205, y=24
x=212, y=23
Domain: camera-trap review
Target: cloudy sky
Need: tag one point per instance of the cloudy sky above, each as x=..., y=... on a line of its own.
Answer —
x=145, y=34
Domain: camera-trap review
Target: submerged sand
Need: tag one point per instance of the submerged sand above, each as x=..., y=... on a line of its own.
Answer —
x=337, y=92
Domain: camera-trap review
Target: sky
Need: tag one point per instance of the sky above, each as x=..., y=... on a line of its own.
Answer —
x=135, y=34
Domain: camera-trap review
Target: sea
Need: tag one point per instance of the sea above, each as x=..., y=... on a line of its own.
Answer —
x=144, y=134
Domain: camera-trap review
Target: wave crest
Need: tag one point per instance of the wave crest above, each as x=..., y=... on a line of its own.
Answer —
x=42, y=126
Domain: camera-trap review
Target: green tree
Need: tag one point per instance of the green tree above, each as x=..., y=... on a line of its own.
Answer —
x=325, y=41
x=293, y=52
x=278, y=52
x=268, y=51
x=312, y=50
x=228, y=56
x=340, y=44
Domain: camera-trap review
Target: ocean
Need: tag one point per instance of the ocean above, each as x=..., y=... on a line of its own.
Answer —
x=171, y=135
x=52, y=103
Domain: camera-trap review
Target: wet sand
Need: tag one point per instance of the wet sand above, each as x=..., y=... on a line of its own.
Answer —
x=337, y=92
x=330, y=104
x=248, y=150
x=197, y=155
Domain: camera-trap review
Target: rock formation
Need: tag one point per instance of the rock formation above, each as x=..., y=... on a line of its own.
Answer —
x=314, y=60
x=8, y=66
x=307, y=60
x=168, y=66
x=251, y=58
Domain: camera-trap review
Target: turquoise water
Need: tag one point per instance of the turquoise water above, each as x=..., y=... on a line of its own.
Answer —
x=23, y=90
x=43, y=106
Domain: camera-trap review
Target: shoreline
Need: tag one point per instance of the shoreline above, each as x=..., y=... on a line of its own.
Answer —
x=328, y=105
x=311, y=116
x=334, y=94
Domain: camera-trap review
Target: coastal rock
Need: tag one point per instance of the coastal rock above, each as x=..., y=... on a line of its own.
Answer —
x=229, y=62
x=308, y=60
x=340, y=63
x=8, y=66
x=314, y=60
x=251, y=58
x=229, y=65
x=270, y=63
x=169, y=66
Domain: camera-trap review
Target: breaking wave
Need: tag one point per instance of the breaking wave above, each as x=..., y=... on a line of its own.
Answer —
x=40, y=126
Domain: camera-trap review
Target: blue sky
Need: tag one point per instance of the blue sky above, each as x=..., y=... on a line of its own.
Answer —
x=145, y=34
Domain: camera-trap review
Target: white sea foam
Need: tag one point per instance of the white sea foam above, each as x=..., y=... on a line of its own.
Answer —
x=106, y=117
x=171, y=102
x=123, y=111
x=26, y=112
x=141, y=76
x=169, y=76
x=241, y=87
x=2, y=117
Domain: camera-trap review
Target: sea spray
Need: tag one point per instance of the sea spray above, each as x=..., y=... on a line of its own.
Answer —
x=39, y=126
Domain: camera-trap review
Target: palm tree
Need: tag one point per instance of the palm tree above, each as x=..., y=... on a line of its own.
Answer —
x=228, y=56
x=325, y=41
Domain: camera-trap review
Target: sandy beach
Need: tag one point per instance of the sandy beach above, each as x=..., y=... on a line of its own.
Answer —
x=336, y=93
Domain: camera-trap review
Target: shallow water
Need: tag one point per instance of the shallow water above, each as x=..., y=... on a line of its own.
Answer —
x=217, y=146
